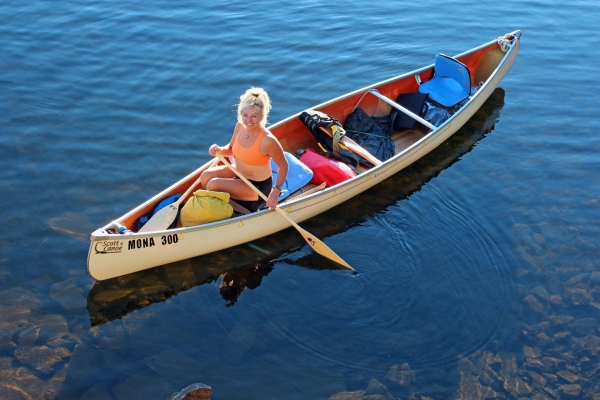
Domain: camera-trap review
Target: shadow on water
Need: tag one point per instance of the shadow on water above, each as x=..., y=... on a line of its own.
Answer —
x=243, y=267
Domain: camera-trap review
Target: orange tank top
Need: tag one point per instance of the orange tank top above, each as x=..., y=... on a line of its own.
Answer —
x=250, y=155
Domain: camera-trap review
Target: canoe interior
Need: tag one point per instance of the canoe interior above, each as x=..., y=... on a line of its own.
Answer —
x=294, y=136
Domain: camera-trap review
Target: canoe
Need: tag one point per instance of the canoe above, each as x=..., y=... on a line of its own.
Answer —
x=112, y=254
x=111, y=299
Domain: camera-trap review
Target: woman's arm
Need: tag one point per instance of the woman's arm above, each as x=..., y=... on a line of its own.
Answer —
x=275, y=151
x=226, y=151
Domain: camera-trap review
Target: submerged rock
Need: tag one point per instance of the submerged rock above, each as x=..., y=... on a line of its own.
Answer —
x=543, y=340
x=570, y=391
x=26, y=381
x=52, y=325
x=65, y=340
x=585, y=326
x=83, y=371
x=70, y=298
x=10, y=390
x=357, y=395
x=490, y=378
x=29, y=336
x=377, y=388
x=530, y=352
x=590, y=343
x=552, y=363
x=7, y=345
x=578, y=296
x=516, y=386
x=74, y=224
x=577, y=279
x=541, y=292
x=401, y=374
x=470, y=388
x=20, y=297
x=14, y=314
x=537, y=380
x=562, y=336
x=568, y=376
x=534, y=303
x=561, y=320
x=41, y=358
x=508, y=364
x=196, y=391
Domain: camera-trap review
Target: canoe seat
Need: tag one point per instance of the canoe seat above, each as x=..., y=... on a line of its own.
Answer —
x=298, y=175
x=451, y=81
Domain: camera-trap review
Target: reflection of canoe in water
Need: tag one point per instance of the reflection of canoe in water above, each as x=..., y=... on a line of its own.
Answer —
x=112, y=255
x=243, y=267
x=110, y=299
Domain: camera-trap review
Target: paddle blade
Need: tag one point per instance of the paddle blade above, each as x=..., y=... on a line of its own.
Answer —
x=162, y=219
x=322, y=249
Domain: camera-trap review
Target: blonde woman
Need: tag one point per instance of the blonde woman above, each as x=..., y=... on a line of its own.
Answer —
x=253, y=146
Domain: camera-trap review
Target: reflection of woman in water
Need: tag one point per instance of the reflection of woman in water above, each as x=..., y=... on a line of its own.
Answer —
x=234, y=283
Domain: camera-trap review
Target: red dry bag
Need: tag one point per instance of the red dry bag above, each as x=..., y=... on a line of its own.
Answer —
x=326, y=169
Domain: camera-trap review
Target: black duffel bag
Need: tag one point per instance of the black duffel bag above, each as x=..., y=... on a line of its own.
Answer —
x=314, y=120
x=371, y=133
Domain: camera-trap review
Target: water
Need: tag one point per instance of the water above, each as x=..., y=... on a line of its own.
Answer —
x=477, y=266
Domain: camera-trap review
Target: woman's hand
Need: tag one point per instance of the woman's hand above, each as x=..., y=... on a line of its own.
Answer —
x=214, y=149
x=273, y=198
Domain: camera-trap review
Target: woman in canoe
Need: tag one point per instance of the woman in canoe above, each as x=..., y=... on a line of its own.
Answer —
x=252, y=146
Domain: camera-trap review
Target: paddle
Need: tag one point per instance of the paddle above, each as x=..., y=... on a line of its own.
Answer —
x=166, y=215
x=354, y=147
x=315, y=243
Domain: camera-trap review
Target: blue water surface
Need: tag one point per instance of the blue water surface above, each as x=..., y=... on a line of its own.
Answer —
x=477, y=266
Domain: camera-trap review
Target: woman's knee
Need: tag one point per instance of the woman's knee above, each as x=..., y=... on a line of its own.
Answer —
x=205, y=177
x=211, y=185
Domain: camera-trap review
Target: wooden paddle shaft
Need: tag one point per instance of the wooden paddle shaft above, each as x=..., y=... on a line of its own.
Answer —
x=355, y=148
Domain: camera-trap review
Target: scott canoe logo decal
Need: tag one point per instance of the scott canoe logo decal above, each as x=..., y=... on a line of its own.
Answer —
x=108, y=246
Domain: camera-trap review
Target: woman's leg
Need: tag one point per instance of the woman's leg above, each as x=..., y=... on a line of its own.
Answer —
x=222, y=179
x=237, y=188
x=220, y=171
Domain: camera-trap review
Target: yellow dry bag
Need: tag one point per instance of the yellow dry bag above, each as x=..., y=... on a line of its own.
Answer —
x=204, y=207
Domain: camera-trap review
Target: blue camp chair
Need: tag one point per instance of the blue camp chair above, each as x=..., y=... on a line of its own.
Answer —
x=451, y=82
x=298, y=175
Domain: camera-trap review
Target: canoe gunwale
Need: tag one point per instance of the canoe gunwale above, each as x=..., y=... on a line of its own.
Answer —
x=306, y=207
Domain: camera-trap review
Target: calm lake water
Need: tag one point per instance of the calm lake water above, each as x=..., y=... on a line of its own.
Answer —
x=477, y=267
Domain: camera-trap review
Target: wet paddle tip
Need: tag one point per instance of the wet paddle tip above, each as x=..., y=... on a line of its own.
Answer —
x=343, y=265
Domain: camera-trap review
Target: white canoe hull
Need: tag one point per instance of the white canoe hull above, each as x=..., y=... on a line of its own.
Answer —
x=112, y=255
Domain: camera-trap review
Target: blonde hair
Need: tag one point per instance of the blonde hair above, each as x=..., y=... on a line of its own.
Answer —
x=255, y=97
